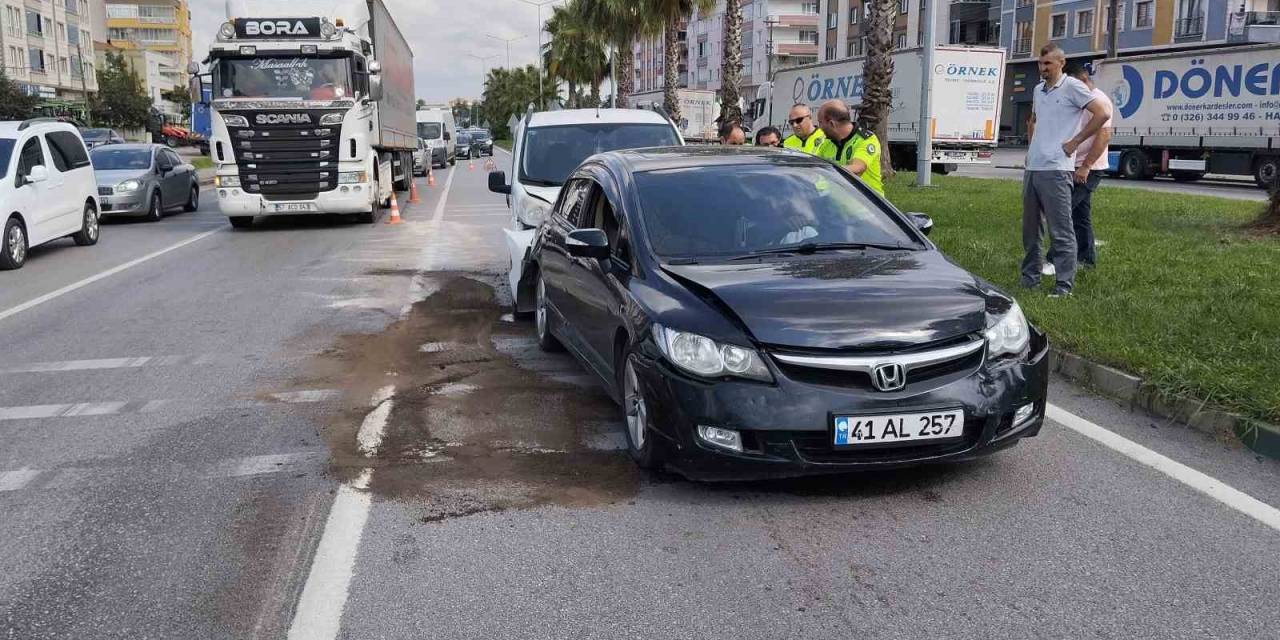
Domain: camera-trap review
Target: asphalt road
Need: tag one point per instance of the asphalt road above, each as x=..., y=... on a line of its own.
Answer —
x=320, y=429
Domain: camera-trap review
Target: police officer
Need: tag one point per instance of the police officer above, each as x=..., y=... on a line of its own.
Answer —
x=851, y=146
x=807, y=137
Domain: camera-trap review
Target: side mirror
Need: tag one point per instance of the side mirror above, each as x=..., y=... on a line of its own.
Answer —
x=38, y=173
x=193, y=68
x=375, y=84
x=447, y=137
x=164, y=167
x=588, y=243
x=375, y=68
x=498, y=182
x=923, y=222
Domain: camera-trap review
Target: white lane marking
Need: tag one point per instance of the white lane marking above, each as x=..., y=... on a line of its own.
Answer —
x=58, y=366
x=444, y=197
x=1212, y=487
x=35, y=302
x=324, y=595
x=61, y=410
x=369, y=438
x=15, y=480
x=306, y=396
x=82, y=409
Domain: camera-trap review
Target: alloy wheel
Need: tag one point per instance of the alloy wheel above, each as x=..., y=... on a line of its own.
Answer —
x=91, y=224
x=17, y=244
x=540, y=308
x=635, y=407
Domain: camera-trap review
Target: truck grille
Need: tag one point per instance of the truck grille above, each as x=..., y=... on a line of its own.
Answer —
x=296, y=160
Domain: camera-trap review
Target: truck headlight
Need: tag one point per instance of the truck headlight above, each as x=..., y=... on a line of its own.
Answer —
x=327, y=30
x=330, y=119
x=226, y=181
x=536, y=213
x=705, y=357
x=353, y=177
x=227, y=31
x=1007, y=334
x=232, y=120
x=128, y=186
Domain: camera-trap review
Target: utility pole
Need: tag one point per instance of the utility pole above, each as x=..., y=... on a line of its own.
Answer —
x=84, y=87
x=541, y=71
x=771, y=21
x=508, y=41
x=1113, y=29
x=924, y=144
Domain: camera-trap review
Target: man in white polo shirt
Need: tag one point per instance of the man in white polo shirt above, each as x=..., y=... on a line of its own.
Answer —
x=1091, y=161
x=1056, y=134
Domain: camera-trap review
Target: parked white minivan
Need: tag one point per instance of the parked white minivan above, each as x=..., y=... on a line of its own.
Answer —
x=47, y=188
x=437, y=127
x=549, y=145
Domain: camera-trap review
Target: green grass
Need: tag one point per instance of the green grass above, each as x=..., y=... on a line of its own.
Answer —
x=1182, y=296
x=202, y=162
x=504, y=143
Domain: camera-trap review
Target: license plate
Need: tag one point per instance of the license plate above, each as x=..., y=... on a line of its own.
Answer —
x=899, y=428
x=292, y=207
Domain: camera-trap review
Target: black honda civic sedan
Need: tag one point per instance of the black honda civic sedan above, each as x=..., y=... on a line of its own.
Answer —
x=761, y=313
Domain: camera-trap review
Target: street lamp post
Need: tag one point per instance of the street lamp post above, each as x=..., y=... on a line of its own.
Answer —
x=508, y=41
x=924, y=143
x=540, y=5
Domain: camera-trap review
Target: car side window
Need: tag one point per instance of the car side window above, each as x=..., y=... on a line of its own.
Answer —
x=603, y=217
x=67, y=151
x=572, y=202
x=171, y=157
x=32, y=156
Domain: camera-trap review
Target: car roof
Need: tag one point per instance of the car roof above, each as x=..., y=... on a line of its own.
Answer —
x=10, y=128
x=129, y=146
x=584, y=116
x=660, y=158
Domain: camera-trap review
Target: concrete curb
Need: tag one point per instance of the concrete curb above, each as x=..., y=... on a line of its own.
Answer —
x=1261, y=437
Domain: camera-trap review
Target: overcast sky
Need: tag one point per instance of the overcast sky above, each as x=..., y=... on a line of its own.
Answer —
x=441, y=32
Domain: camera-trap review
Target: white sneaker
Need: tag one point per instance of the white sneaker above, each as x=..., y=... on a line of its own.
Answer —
x=1047, y=269
x=1099, y=243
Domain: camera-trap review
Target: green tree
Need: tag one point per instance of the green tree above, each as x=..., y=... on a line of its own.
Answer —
x=877, y=75
x=510, y=92
x=14, y=104
x=618, y=23
x=671, y=14
x=122, y=100
x=731, y=69
x=181, y=99
x=577, y=51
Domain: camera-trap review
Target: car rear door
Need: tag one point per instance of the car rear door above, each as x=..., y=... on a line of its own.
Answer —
x=37, y=202
x=555, y=261
x=71, y=161
x=599, y=284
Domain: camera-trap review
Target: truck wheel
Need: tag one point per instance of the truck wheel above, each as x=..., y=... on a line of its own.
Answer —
x=1266, y=171
x=1187, y=176
x=171, y=142
x=944, y=168
x=241, y=222
x=1134, y=165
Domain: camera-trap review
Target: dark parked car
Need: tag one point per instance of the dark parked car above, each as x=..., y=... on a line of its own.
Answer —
x=482, y=142
x=761, y=313
x=143, y=180
x=99, y=137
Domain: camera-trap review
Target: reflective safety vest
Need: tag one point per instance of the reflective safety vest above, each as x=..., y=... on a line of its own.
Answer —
x=864, y=146
x=809, y=146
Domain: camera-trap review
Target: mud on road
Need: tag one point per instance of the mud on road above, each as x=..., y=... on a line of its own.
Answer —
x=476, y=419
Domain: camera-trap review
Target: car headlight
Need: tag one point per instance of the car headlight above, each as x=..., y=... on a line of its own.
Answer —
x=1007, y=334
x=536, y=213
x=330, y=119
x=226, y=181
x=233, y=120
x=705, y=357
x=128, y=186
x=353, y=177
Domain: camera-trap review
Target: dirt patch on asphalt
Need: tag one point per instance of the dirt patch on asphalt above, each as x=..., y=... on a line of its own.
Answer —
x=468, y=429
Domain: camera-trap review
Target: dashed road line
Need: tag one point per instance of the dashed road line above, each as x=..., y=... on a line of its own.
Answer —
x=111, y=408
x=58, y=366
x=324, y=594
x=15, y=480
x=63, y=478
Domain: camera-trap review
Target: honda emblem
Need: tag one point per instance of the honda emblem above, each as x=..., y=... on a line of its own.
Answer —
x=889, y=377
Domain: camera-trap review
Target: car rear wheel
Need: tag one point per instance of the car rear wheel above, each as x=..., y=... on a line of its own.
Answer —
x=155, y=212
x=193, y=200
x=87, y=236
x=241, y=222
x=644, y=450
x=542, y=319
x=13, y=252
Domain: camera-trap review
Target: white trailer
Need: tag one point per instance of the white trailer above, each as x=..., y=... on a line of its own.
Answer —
x=966, y=83
x=313, y=108
x=699, y=109
x=1195, y=112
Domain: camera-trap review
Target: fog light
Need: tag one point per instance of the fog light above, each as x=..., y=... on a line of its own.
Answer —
x=344, y=189
x=723, y=438
x=1024, y=413
x=235, y=192
x=222, y=193
x=357, y=189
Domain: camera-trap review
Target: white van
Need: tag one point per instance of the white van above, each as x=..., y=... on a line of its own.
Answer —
x=437, y=127
x=47, y=188
x=549, y=145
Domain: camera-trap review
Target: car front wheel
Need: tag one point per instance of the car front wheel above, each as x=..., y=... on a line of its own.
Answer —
x=542, y=319
x=155, y=213
x=642, y=447
x=13, y=251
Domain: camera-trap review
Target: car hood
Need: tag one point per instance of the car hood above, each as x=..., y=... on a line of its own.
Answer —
x=545, y=193
x=113, y=177
x=850, y=300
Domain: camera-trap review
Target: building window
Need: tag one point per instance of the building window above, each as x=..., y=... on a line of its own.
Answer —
x=1026, y=3
x=35, y=58
x=1190, y=18
x=957, y=32
x=1058, y=25
x=808, y=37
x=853, y=14
x=1022, y=38
x=833, y=20
x=1106, y=17
x=1142, y=15
x=35, y=26
x=73, y=6
x=900, y=41
x=809, y=7
x=904, y=6
x=831, y=52
x=1084, y=22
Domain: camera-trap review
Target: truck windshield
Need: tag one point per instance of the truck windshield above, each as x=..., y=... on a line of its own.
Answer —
x=283, y=77
x=429, y=130
x=552, y=153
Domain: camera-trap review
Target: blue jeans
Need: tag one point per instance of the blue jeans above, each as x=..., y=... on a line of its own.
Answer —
x=1082, y=217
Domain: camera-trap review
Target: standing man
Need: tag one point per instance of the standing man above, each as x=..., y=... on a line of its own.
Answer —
x=1091, y=161
x=805, y=136
x=769, y=137
x=855, y=148
x=1056, y=134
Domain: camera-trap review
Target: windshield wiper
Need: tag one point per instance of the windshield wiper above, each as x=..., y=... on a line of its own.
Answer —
x=808, y=248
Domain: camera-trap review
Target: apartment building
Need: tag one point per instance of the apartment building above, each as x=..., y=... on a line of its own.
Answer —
x=161, y=27
x=47, y=49
x=844, y=33
x=649, y=59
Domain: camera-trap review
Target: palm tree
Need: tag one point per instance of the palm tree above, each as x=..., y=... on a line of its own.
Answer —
x=877, y=74
x=670, y=13
x=577, y=50
x=619, y=23
x=731, y=69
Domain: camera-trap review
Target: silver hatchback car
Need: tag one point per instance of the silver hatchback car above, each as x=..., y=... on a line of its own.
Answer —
x=143, y=180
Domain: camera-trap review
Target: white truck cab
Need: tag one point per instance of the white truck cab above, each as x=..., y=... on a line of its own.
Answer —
x=549, y=145
x=438, y=129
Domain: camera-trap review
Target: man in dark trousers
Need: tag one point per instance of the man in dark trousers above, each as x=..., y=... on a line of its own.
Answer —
x=1091, y=161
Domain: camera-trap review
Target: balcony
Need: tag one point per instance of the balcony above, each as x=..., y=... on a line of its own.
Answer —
x=796, y=49
x=1254, y=26
x=1189, y=27
x=803, y=20
x=1022, y=47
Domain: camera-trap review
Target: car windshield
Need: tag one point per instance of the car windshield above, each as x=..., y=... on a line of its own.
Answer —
x=480, y=136
x=429, y=130
x=737, y=210
x=95, y=133
x=552, y=153
x=6, y=150
x=283, y=78
x=109, y=159
x=464, y=138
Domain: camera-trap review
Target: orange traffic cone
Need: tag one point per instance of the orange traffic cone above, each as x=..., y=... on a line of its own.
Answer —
x=471, y=164
x=413, y=192
x=395, y=210
x=431, y=179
